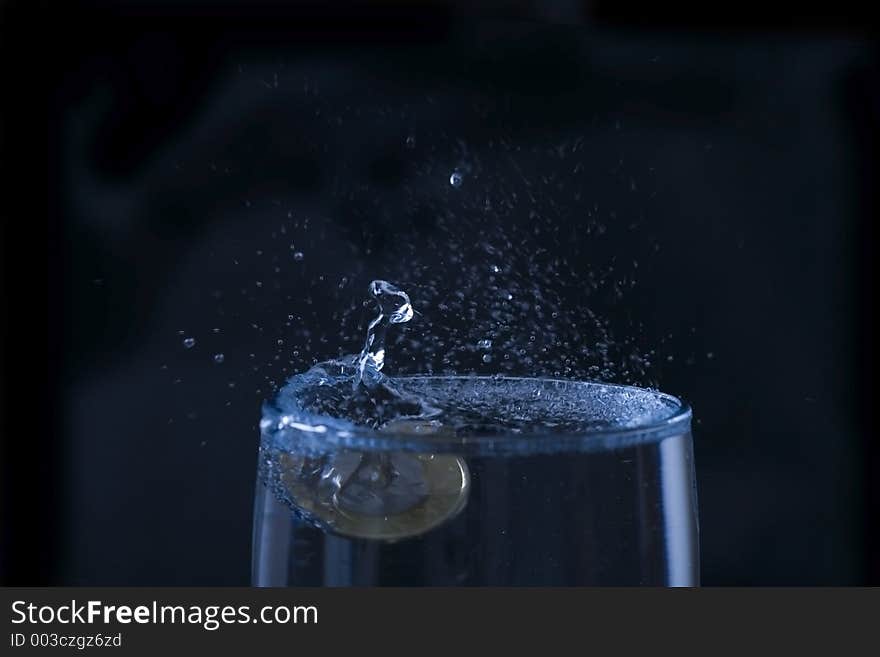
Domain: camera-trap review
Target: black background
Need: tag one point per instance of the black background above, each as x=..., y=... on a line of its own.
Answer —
x=752, y=139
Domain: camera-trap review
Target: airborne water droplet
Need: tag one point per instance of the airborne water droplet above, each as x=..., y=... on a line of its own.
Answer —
x=456, y=179
x=394, y=308
x=219, y=358
x=298, y=255
x=189, y=343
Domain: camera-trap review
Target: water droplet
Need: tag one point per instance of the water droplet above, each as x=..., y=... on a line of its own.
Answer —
x=411, y=141
x=484, y=344
x=219, y=358
x=487, y=358
x=495, y=269
x=298, y=255
x=394, y=308
x=189, y=343
x=456, y=179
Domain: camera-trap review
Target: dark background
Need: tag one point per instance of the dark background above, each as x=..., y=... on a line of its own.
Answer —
x=152, y=156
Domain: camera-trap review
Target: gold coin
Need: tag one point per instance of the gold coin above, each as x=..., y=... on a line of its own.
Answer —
x=379, y=495
x=414, y=427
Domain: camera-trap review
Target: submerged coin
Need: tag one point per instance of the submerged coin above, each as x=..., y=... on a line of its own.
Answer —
x=416, y=427
x=379, y=495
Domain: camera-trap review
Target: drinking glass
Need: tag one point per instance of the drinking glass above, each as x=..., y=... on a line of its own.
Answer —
x=613, y=503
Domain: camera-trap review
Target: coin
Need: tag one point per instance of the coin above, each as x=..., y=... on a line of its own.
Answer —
x=379, y=495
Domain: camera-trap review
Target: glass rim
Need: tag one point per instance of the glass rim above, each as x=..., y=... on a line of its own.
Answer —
x=321, y=439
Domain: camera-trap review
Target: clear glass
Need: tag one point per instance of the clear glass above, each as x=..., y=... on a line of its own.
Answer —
x=604, y=506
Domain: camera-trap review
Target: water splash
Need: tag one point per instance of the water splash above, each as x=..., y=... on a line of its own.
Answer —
x=494, y=260
x=394, y=308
